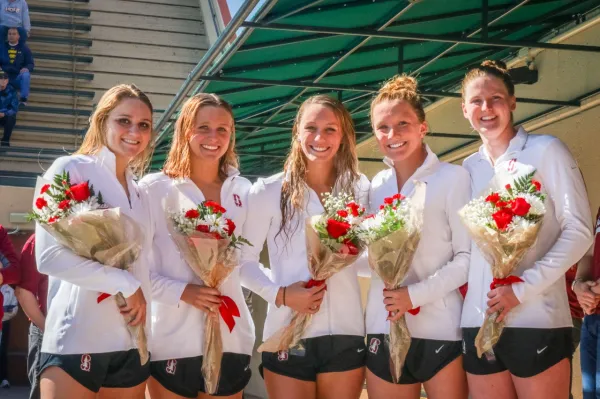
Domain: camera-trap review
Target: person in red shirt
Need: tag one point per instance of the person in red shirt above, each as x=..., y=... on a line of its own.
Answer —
x=576, y=314
x=587, y=289
x=32, y=293
x=9, y=266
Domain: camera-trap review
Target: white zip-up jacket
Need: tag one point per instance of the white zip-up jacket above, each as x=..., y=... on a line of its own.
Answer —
x=565, y=235
x=441, y=261
x=177, y=327
x=76, y=323
x=341, y=310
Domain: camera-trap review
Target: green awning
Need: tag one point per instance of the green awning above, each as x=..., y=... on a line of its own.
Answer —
x=297, y=48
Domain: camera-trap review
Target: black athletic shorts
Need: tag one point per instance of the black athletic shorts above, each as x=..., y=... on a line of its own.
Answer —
x=184, y=376
x=425, y=358
x=326, y=354
x=96, y=370
x=524, y=352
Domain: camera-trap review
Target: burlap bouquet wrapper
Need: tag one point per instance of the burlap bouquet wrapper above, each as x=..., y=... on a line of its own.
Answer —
x=390, y=258
x=504, y=252
x=212, y=261
x=107, y=236
x=322, y=264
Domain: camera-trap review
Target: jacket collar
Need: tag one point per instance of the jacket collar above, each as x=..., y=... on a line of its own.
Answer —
x=107, y=159
x=429, y=165
x=515, y=146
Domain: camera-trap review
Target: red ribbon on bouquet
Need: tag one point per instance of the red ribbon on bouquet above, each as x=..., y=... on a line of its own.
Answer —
x=505, y=281
x=102, y=297
x=229, y=310
x=315, y=283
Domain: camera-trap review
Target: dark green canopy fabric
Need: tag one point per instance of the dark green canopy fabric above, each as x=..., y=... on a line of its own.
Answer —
x=279, y=66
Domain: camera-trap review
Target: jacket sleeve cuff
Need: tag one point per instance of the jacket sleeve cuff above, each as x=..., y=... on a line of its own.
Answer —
x=130, y=285
x=417, y=295
x=519, y=291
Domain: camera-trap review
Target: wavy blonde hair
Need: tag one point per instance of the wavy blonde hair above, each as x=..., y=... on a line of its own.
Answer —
x=295, y=168
x=400, y=87
x=95, y=137
x=178, y=163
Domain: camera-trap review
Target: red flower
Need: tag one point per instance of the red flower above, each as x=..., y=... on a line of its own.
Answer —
x=503, y=218
x=381, y=207
x=217, y=235
x=40, y=203
x=342, y=213
x=501, y=204
x=537, y=184
x=388, y=200
x=351, y=248
x=192, y=214
x=493, y=198
x=398, y=197
x=52, y=219
x=337, y=229
x=353, y=206
x=230, y=227
x=520, y=206
x=507, y=187
x=65, y=204
x=216, y=208
x=202, y=228
x=45, y=188
x=79, y=192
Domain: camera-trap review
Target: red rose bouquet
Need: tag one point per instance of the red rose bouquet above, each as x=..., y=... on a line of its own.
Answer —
x=332, y=244
x=206, y=240
x=392, y=236
x=79, y=220
x=504, y=224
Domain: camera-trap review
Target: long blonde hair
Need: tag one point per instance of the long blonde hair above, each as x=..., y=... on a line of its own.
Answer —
x=95, y=137
x=178, y=163
x=295, y=168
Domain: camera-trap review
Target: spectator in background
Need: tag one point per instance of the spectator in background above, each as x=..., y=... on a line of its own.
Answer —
x=14, y=14
x=586, y=288
x=32, y=293
x=576, y=316
x=9, y=106
x=11, y=308
x=9, y=265
x=17, y=61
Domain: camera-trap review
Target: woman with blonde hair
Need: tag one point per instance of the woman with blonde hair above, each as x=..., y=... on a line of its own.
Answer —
x=201, y=165
x=87, y=348
x=322, y=159
x=440, y=263
x=532, y=355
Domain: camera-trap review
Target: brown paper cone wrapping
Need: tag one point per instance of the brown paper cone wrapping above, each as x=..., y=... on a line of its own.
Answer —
x=390, y=258
x=322, y=264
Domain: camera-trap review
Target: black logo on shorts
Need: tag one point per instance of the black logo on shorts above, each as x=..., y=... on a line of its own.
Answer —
x=374, y=345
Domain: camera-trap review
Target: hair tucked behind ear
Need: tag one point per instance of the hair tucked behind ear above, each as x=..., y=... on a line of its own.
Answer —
x=493, y=68
x=401, y=87
x=295, y=168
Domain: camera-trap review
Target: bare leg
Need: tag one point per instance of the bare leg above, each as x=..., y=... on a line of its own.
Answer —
x=57, y=384
x=449, y=383
x=282, y=387
x=492, y=386
x=345, y=384
x=549, y=384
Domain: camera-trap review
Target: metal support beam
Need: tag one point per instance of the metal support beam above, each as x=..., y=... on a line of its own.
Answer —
x=370, y=33
x=484, y=18
x=579, y=99
x=363, y=88
x=408, y=21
